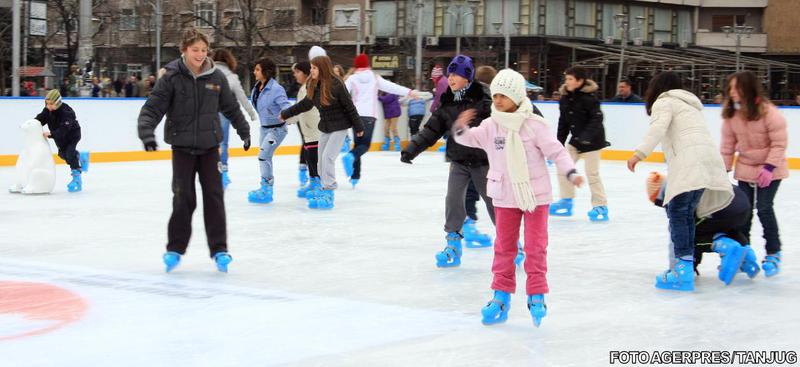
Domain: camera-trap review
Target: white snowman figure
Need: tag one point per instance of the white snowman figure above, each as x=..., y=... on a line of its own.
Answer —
x=36, y=170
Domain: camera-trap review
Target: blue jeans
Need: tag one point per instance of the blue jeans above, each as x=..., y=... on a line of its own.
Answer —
x=226, y=133
x=764, y=198
x=681, y=212
x=362, y=144
x=269, y=140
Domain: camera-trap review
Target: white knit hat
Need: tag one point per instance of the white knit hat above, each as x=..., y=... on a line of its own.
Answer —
x=316, y=51
x=510, y=84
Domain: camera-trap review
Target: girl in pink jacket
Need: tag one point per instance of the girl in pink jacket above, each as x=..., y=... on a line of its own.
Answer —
x=756, y=129
x=517, y=142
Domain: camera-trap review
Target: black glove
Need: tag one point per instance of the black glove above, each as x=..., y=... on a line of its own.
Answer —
x=150, y=146
x=246, y=144
x=405, y=157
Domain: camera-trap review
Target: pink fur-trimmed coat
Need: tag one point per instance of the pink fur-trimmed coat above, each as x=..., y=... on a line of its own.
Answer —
x=758, y=142
x=540, y=144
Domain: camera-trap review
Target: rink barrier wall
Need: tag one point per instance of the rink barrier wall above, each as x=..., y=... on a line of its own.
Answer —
x=109, y=130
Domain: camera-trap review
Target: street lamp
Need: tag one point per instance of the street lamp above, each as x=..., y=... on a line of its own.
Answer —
x=506, y=32
x=621, y=20
x=738, y=31
x=459, y=13
x=418, y=59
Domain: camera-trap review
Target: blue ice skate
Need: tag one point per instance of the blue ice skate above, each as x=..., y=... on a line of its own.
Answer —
x=473, y=238
x=396, y=144
x=496, y=311
x=347, y=161
x=323, y=201
x=537, y=307
x=354, y=182
x=598, y=214
x=750, y=263
x=731, y=257
x=520, y=254
x=76, y=184
x=262, y=195
x=225, y=180
x=312, y=190
x=451, y=255
x=83, y=158
x=346, y=145
x=386, y=143
x=222, y=259
x=171, y=260
x=302, y=174
x=561, y=208
x=771, y=264
x=679, y=279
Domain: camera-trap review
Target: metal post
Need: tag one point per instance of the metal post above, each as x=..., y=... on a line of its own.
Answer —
x=622, y=51
x=358, y=34
x=418, y=58
x=26, y=19
x=738, y=50
x=158, y=37
x=506, y=32
x=15, y=44
x=458, y=32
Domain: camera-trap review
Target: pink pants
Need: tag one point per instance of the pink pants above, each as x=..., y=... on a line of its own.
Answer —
x=505, y=249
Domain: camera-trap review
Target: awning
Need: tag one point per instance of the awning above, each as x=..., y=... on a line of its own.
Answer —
x=35, y=71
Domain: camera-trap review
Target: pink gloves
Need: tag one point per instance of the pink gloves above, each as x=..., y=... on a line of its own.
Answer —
x=764, y=178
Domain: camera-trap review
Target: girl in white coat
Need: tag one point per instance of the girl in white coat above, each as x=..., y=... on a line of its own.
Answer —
x=697, y=180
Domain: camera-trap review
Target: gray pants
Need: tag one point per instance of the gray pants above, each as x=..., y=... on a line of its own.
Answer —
x=329, y=147
x=457, y=183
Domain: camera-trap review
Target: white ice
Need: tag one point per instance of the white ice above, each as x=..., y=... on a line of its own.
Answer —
x=357, y=286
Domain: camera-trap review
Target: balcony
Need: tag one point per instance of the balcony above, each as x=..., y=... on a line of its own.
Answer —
x=756, y=43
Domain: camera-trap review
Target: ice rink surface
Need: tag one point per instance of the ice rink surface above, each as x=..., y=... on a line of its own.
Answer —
x=357, y=285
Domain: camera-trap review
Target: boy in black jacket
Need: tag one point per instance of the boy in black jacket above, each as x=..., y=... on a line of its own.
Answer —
x=192, y=93
x=465, y=163
x=66, y=132
x=582, y=118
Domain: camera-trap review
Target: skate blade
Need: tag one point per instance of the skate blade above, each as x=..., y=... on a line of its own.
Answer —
x=476, y=244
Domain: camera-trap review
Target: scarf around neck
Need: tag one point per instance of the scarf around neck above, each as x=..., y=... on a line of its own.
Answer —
x=516, y=158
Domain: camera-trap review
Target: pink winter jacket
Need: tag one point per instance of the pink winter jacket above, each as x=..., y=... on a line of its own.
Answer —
x=540, y=143
x=758, y=142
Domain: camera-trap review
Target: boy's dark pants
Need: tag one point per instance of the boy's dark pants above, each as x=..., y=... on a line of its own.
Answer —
x=67, y=148
x=184, y=201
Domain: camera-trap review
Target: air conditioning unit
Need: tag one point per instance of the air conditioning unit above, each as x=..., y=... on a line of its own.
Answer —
x=370, y=40
x=393, y=41
x=432, y=41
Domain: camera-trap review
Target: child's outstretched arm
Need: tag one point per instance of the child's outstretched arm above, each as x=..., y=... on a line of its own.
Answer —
x=476, y=137
x=552, y=148
x=660, y=119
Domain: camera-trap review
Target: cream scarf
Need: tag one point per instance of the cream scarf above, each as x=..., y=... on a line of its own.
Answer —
x=516, y=158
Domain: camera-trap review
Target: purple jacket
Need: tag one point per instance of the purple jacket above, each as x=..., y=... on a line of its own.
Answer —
x=540, y=144
x=441, y=87
x=391, y=106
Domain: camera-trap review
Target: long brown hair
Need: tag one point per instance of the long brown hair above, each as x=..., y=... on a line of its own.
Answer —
x=225, y=56
x=664, y=81
x=325, y=80
x=751, y=94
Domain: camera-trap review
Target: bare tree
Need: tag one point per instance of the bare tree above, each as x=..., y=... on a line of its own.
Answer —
x=67, y=13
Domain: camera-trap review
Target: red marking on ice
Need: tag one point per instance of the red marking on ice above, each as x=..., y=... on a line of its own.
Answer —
x=40, y=302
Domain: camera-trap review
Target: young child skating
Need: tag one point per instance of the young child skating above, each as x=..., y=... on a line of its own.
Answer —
x=517, y=142
x=65, y=131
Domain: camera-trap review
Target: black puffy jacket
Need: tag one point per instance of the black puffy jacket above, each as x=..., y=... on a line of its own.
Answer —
x=339, y=114
x=192, y=106
x=441, y=121
x=581, y=116
x=60, y=122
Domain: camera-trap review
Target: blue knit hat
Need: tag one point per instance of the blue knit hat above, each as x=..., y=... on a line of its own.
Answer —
x=462, y=65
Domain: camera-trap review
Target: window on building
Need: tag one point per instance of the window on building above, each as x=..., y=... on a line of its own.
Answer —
x=318, y=16
x=494, y=14
x=451, y=19
x=233, y=19
x=283, y=18
x=610, y=28
x=205, y=13
x=638, y=30
x=662, y=25
x=555, y=19
x=719, y=21
x=427, y=17
x=128, y=20
x=585, y=19
x=685, y=26
x=384, y=22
